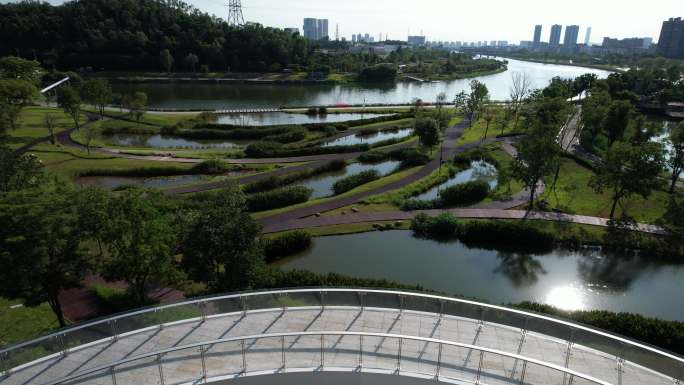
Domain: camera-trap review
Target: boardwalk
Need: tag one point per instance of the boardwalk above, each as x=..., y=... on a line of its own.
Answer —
x=335, y=352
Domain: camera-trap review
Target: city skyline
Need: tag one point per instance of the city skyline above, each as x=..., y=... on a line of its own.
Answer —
x=615, y=19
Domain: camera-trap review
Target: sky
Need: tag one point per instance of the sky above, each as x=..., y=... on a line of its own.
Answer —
x=457, y=20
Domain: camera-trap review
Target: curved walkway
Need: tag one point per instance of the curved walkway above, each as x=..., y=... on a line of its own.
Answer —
x=340, y=329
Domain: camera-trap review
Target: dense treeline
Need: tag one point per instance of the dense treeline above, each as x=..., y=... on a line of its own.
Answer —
x=136, y=34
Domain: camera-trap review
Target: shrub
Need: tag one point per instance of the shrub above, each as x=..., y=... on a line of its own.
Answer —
x=117, y=300
x=322, y=111
x=506, y=236
x=373, y=157
x=286, y=245
x=213, y=166
x=443, y=225
x=464, y=194
x=263, y=149
x=353, y=181
x=409, y=157
x=287, y=137
x=274, y=182
x=278, y=198
x=418, y=204
x=273, y=150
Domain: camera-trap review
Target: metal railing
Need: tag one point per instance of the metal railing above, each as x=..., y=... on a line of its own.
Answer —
x=433, y=358
x=110, y=329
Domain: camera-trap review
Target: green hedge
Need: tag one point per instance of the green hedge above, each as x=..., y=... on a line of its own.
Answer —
x=373, y=157
x=274, y=182
x=506, y=236
x=442, y=226
x=278, y=198
x=354, y=181
x=409, y=157
x=275, y=150
x=465, y=194
x=286, y=245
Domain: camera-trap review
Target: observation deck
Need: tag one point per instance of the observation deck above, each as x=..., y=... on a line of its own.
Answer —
x=335, y=330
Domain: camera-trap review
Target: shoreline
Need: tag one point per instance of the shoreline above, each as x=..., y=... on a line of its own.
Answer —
x=580, y=65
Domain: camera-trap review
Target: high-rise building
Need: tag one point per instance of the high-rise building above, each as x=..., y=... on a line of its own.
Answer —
x=556, y=31
x=537, y=34
x=311, y=28
x=353, y=38
x=323, y=29
x=587, y=37
x=571, y=36
x=416, y=40
x=671, y=42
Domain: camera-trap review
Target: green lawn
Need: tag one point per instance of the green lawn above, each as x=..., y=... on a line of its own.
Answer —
x=151, y=118
x=32, y=125
x=573, y=195
x=476, y=132
x=24, y=323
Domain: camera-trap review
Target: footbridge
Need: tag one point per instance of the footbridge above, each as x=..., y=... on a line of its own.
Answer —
x=335, y=330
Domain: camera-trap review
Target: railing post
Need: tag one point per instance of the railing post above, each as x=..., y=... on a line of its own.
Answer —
x=322, y=294
x=160, y=365
x=401, y=305
x=568, y=354
x=360, y=352
x=243, y=306
x=244, y=356
x=204, y=363
x=480, y=323
x=620, y=364
x=4, y=366
x=203, y=311
x=62, y=345
x=113, y=373
x=283, y=302
x=112, y=328
x=362, y=300
x=322, y=351
x=441, y=309
x=479, y=367
x=401, y=343
x=524, y=372
x=439, y=361
x=282, y=349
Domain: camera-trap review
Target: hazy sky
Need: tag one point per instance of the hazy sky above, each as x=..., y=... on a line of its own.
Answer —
x=461, y=20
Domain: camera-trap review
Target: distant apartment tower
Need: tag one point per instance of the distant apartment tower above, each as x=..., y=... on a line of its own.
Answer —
x=587, y=37
x=671, y=42
x=571, y=36
x=555, y=37
x=316, y=29
x=537, y=34
x=311, y=28
x=416, y=40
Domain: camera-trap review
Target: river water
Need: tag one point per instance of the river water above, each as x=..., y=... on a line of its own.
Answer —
x=568, y=280
x=228, y=96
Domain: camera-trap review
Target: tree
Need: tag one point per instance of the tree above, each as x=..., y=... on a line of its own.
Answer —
x=427, y=130
x=141, y=240
x=69, y=100
x=40, y=247
x=628, y=170
x=50, y=123
x=537, y=158
x=594, y=111
x=521, y=85
x=675, y=160
x=617, y=120
x=18, y=171
x=89, y=133
x=461, y=101
x=488, y=114
x=191, y=61
x=137, y=105
x=15, y=94
x=166, y=60
x=12, y=67
x=92, y=205
x=220, y=246
x=97, y=92
x=441, y=115
x=479, y=95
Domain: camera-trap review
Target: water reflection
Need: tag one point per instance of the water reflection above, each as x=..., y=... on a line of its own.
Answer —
x=223, y=96
x=570, y=280
x=322, y=184
x=377, y=137
x=165, y=141
x=479, y=170
x=522, y=269
x=112, y=182
x=281, y=118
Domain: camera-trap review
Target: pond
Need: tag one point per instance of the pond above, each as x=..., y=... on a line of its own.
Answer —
x=280, y=118
x=478, y=170
x=166, y=141
x=322, y=184
x=569, y=280
x=351, y=140
x=227, y=96
x=112, y=182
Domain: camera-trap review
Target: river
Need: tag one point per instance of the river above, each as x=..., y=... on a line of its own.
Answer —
x=229, y=96
x=569, y=280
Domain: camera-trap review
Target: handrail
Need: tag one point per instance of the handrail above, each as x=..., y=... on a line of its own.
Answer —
x=204, y=300
x=400, y=337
